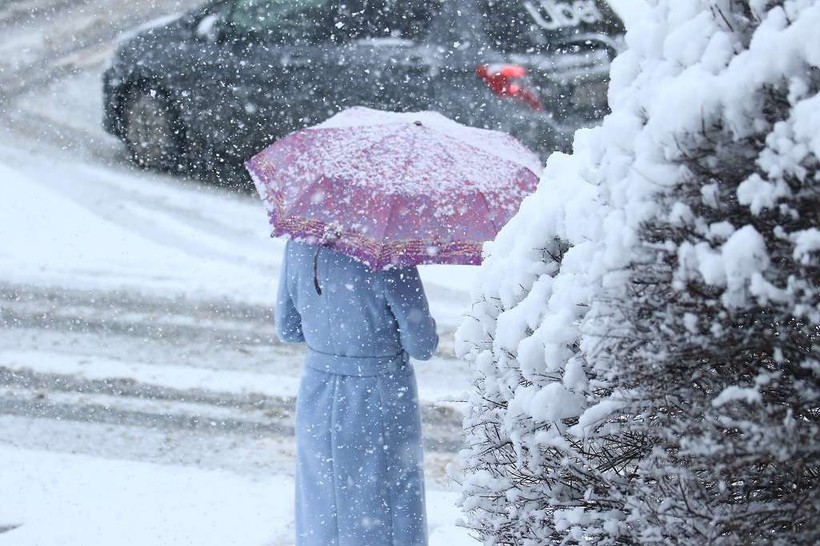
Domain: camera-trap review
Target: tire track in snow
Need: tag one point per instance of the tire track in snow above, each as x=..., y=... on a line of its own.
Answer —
x=136, y=315
x=26, y=393
x=144, y=316
x=206, y=335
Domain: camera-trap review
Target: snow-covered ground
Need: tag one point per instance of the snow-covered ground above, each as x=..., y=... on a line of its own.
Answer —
x=70, y=222
x=143, y=397
x=79, y=500
x=71, y=225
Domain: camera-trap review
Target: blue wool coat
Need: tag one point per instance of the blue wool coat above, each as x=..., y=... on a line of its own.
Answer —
x=359, y=473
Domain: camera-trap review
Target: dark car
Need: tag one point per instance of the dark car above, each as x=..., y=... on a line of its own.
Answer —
x=223, y=81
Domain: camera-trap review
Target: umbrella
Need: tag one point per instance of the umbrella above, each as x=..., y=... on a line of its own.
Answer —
x=394, y=189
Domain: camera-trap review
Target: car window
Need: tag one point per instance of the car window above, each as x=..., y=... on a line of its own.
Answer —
x=534, y=26
x=407, y=19
x=285, y=21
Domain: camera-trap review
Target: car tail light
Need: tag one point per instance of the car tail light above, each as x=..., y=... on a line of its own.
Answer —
x=509, y=80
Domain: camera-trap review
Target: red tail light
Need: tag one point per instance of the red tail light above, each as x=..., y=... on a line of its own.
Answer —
x=509, y=80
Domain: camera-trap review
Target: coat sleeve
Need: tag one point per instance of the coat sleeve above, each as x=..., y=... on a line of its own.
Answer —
x=408, y=303
x=287, y=318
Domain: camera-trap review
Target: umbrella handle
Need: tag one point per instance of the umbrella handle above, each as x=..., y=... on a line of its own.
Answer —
x=316, y=271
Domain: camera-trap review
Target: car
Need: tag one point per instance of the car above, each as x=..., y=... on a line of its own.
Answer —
x=221, y=82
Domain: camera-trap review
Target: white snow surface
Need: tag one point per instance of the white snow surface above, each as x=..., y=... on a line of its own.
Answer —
x=74, y=215
x=495, y=143
x=79, y=500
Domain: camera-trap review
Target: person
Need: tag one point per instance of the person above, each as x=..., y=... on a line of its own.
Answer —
x=359, y=473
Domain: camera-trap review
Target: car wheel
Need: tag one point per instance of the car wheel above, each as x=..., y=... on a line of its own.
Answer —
x=153, y=133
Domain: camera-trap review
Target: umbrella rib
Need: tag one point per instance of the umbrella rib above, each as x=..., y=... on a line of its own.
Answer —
x=447, y=152
x=483, y=197
x=455, y=142
x=383, y=235
x=395, y=198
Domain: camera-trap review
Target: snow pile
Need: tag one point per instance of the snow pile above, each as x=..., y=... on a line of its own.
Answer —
x=645, y=330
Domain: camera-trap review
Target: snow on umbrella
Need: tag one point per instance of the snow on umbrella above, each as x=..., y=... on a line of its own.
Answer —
x=394, y=189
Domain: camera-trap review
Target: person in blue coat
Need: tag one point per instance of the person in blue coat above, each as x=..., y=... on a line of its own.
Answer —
x=359, y=473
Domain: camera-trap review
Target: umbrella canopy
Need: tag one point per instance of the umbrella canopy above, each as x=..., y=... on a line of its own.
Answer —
x=394, y=189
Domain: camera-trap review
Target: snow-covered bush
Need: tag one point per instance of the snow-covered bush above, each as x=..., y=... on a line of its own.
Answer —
x=646, y=331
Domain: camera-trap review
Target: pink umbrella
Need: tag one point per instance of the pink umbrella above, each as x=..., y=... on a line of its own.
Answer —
x=394, y=189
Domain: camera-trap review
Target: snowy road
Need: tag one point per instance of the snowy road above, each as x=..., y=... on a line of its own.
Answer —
x=135, y=322
x=221, y=355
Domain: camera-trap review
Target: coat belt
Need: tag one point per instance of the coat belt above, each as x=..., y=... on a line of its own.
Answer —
x=357, y=366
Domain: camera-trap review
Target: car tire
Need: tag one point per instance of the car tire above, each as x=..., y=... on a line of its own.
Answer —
x=152, y=131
